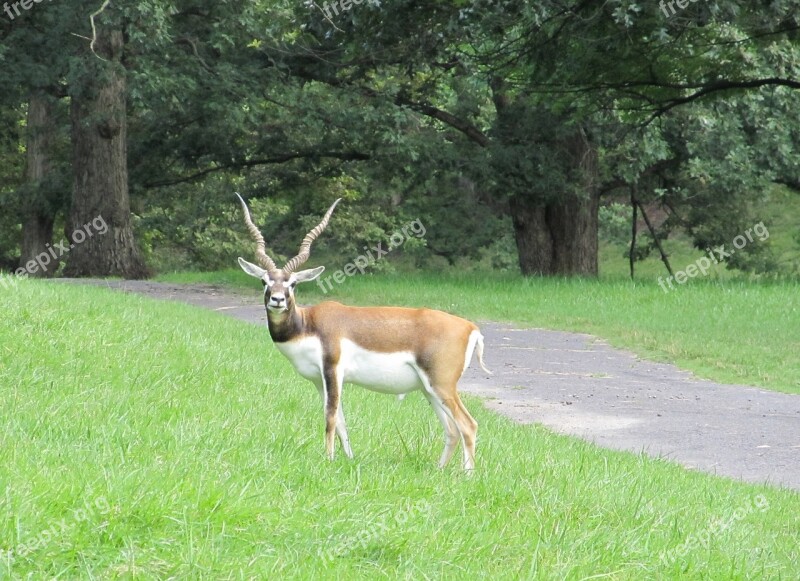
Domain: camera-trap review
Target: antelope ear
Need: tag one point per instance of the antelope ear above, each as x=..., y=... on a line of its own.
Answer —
x=310, y=274
x=252, y=269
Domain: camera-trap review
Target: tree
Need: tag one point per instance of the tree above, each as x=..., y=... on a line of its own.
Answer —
x=98, y=112
x=48, y=61
x=554, y=72
x=531, y=110
x=37, y=229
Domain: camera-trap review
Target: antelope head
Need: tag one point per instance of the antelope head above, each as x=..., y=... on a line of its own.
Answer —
x=279, y=283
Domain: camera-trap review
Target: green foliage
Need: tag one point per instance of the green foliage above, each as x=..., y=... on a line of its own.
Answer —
x=499, y=256
x=202, y=229
x=615, y=223
x=531, y=154
x=438, y=111
x=11, y=177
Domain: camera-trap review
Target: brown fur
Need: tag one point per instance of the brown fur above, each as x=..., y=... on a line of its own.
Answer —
x=437, y=339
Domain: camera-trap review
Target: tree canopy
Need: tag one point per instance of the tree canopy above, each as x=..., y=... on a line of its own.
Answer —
x=504, y=125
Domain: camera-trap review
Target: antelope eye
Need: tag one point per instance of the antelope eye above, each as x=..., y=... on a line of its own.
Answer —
x=263, y=282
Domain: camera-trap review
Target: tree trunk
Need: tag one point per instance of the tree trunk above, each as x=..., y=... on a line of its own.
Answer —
x=556, y=232
x=37, y=227
x=558, y=238
x=100, y=228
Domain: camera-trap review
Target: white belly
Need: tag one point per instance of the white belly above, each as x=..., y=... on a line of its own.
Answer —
x=383, y=372
x=306, y=356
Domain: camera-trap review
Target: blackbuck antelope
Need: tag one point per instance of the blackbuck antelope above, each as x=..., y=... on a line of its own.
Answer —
x=387, y=349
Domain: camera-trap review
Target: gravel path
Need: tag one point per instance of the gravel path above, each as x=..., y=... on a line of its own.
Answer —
x=576, y=384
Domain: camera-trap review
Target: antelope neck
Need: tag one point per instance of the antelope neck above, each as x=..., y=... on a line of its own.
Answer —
x=285, y=326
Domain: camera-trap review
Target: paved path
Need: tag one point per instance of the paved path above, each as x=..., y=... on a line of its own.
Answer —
x=577, y=384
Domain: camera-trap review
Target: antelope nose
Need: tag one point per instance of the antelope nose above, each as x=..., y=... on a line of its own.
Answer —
x=277, y=299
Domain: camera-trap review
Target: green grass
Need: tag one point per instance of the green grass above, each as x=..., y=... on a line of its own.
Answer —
x=780, y=214
x=154, y=440
x=615, y=267
x=233, y=278
x=728, y=331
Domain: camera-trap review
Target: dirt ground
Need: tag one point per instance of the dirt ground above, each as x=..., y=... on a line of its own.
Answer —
x=576, y=384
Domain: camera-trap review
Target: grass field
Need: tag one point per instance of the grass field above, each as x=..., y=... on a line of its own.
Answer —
x=729, y=331
x=148, y=440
